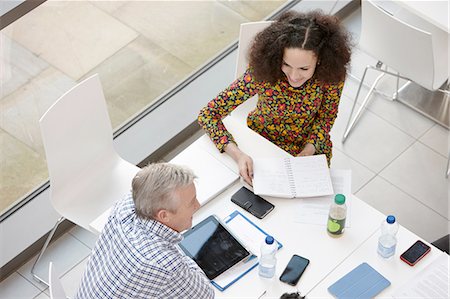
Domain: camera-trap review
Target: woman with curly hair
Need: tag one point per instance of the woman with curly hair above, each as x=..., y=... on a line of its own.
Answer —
x=297, y=67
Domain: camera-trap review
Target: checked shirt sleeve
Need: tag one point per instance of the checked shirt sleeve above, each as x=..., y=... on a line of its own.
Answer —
x=189, y=282
x=325, y=117
x=210, y=117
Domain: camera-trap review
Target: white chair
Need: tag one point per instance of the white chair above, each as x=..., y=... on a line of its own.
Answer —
x=246, y=34
x=55, y=287
x=416, y=54
x=87, y=176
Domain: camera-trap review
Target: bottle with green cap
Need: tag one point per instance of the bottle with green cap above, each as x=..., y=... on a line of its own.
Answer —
x=337, y=216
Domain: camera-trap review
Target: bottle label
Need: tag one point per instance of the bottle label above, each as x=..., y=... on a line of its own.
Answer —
x=335, y=226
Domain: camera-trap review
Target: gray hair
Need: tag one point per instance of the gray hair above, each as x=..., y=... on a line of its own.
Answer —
x=154, y=188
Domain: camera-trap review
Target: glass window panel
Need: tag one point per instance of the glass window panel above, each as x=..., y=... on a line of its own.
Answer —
x=140, y=49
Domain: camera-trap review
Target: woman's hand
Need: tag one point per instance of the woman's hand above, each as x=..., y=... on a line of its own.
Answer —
x=308, y=150
x=244, y=162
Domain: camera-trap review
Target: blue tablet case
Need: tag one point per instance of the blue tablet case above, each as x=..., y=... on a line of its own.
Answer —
x=362, y=282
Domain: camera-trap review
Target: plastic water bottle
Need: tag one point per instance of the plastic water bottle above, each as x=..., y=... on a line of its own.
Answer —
x=267, y=260
x=337, y=216
x=387, y=240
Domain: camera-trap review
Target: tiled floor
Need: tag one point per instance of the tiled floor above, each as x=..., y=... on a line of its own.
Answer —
x=397, y=157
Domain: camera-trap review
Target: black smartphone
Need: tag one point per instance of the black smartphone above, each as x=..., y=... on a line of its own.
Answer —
x=415, y=253
x=294, y=270
x=252, y=203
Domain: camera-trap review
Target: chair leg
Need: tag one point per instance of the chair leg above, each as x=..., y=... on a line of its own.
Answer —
x=41, y=253
x=351, y=122
x=395, y=95
x=448, y=167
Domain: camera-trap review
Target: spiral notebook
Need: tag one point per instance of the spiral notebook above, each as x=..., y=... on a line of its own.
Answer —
x=292, y=177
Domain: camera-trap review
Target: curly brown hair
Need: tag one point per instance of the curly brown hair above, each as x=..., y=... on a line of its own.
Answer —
x=323, y=34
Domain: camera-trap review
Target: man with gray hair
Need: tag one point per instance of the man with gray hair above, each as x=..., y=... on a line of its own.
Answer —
x=137, y=255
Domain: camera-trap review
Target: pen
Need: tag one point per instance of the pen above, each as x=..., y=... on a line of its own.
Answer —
x=262, y=295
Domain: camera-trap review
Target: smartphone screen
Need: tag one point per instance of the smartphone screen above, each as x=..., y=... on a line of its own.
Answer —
x=294, y=270
x=414, y=253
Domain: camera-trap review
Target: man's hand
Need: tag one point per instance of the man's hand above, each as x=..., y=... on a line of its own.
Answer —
x=244, y=162
x=309, y=150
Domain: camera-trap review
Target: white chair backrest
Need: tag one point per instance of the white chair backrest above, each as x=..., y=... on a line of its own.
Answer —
x=405, y=48
x=87, y=176
x=247, y=32
x=55, y=287
x=246, y=35
x=76, y=132
x=441, y=43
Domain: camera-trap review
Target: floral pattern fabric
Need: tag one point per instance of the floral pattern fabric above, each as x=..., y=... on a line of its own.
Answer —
x=287, y=116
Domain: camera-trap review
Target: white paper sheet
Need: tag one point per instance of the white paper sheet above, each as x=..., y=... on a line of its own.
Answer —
x=315, y=210
x=247, y=233
x=431, y=282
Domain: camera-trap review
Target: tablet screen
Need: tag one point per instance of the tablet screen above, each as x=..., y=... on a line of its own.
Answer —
x=212, y=247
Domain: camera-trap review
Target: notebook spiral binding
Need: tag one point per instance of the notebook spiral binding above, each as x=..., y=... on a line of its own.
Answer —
x=287, y=163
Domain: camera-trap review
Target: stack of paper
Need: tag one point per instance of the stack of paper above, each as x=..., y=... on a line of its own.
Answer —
x=431, y=282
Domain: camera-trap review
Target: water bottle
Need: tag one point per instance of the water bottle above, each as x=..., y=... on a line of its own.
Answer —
x=337, y=216
x=267, y=260
x=387, y=240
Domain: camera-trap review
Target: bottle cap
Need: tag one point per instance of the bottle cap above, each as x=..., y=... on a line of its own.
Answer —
x=390, y=219
x=339, y=199
x=269, y=240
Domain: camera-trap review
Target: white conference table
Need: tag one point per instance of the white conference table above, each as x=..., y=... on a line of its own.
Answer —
x=394, y=269
x=307, y=240
x=330, y=258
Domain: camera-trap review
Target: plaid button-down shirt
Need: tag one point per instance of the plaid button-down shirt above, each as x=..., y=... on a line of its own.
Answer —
x=137, y=258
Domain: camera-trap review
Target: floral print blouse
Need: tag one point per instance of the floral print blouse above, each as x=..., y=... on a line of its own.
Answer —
x=287, y=116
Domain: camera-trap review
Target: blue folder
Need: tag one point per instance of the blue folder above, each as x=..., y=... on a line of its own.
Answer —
x=362, y=282
x=227, y=219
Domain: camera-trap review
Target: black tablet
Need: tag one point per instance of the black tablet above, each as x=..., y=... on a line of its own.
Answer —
x=213, y=247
